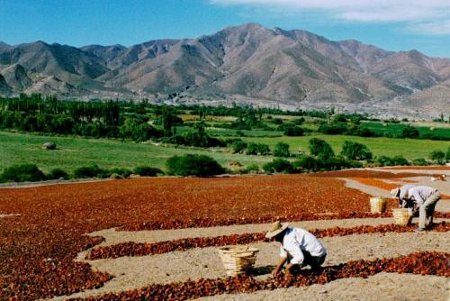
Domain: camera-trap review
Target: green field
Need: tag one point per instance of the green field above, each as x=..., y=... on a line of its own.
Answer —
x=73, y=152
x=409, y=148
x=17, y=148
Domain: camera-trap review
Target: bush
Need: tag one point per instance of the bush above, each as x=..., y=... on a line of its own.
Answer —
x=263, y=149
x=238, y=146
x=58, y=173
x=361, y=131
x=257, y=149
x=394, y=161
x=278, y=165
x=337, y=128
x=122, y=172
x=252, y=168
x=438, y=157
x=337, y=163
x=147, y=171
x=320, y=148
x=281, y=150
x=420, y=162
x=384, y=161
x=294, y=131
x=22, y=173
x=410, y=132
x=400, y=160
x=92, y=171
x=355, y=151
x=447, y=155
x=193, y=165
x=306, y=163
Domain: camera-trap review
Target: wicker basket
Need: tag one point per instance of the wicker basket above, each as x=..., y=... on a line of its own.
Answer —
x=402, y=216
x=377, y=205
x=238, y=260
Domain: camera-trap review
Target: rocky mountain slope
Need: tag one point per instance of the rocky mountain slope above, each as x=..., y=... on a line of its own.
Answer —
x=248, y=63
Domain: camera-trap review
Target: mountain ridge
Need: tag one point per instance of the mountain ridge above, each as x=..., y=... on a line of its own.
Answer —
x=247, y=63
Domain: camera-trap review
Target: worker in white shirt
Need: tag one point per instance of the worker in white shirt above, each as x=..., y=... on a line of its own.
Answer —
x=425, y=199
x=299, y=248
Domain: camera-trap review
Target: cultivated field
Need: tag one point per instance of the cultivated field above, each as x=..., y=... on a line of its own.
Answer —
x=73, y=152
x=156, y=239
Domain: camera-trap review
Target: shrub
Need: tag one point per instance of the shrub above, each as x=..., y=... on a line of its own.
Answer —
x=337, y=128
x=278, y=165
x=263, y=149
x=238, y=146
x=320, y=148
x=22, y=173
x=281, y=150
x=400, y=160
x=362, y=132
x=92, y=171
x=337, y=163
x=147, y=171
x=384, y=161
x=387, y=161
x=410, y=132
x=58, y=173
x=420, y=162
x=355, y=151
x=257, y=149
x=122, y=172
x=193, y=165
x=277, y=121
x=438, y=157
x=252, y=168
x=447, y=155
x=294, y=131
x=306, y=163
x=252, y=149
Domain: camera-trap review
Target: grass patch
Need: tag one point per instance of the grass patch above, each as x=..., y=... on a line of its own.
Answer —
x=73, y=152
x=409, y=148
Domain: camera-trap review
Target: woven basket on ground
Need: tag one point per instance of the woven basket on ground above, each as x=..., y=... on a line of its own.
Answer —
x=237, y=260
x=402, y=216
x=377, y=205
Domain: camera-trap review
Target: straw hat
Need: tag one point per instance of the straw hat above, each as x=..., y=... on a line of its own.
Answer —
x=275, y=229
x=395, y=192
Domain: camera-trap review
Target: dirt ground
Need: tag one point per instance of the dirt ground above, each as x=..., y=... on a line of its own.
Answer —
x=137, y=272
x=383, y=286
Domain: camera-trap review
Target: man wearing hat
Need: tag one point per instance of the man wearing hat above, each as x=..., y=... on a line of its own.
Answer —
x=421, y=200
x=425, y=199
x=403, y=197
x=298, y=248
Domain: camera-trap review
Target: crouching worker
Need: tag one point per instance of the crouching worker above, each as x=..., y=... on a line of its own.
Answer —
x=299, y=248
x=425, y=199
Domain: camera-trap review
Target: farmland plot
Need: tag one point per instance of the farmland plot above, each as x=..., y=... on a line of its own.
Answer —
x=150, y=236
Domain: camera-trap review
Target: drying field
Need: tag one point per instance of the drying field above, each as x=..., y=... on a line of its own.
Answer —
x=156, y=239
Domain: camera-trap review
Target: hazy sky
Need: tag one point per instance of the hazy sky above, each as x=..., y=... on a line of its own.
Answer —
x=390, y=24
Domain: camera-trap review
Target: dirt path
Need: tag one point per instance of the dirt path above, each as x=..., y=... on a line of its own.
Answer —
x=383, y=286
x=113, y=237
x=412, y=170
x=136, y=272
x=9, y=215
x=443, y=186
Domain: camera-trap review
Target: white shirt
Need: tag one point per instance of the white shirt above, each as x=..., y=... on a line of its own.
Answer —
x=421, y=193
x=297, y=240
x=404, y=191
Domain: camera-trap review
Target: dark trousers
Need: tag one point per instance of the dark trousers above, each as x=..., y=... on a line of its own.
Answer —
x=314, y=262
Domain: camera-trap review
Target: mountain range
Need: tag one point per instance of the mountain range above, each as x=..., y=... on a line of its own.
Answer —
x=243, y=64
